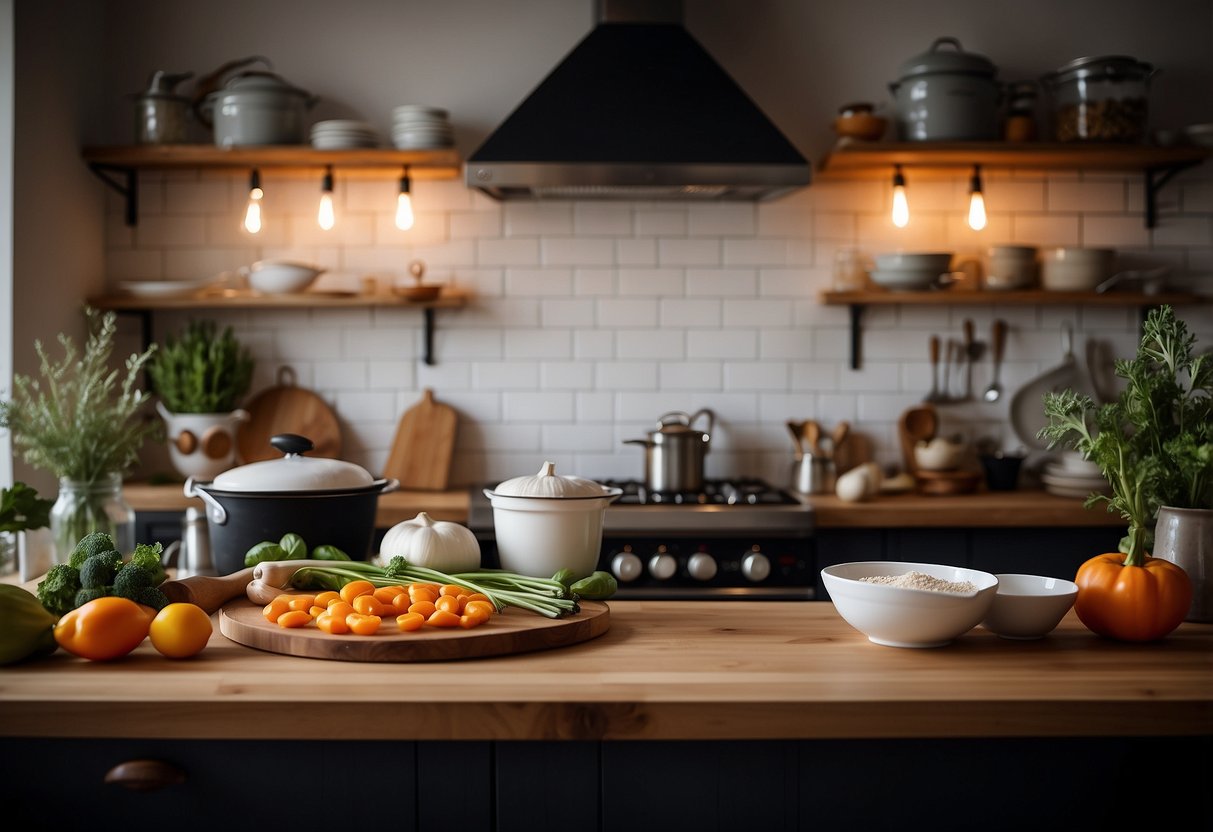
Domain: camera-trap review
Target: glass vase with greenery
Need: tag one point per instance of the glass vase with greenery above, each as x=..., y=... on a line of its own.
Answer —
x=81, y=421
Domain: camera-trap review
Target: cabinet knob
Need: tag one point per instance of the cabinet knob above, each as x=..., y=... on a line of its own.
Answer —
x=702, y=566
x=145, y=775
x=755, y=566
x=626, y=566
x=662, y=565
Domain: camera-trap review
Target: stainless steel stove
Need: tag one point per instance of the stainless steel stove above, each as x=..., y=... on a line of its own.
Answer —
x=737, y=538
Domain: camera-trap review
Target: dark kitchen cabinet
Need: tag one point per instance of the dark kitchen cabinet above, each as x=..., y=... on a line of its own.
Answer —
x=1056, y=551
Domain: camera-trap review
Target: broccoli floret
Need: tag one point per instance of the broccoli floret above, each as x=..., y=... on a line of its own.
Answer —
x=130, y=580
x=99, y=570
x=151, y=596
x=147, y=555
x=58, y=589
x=90, y=545
x=85, y=595
x=395, y=566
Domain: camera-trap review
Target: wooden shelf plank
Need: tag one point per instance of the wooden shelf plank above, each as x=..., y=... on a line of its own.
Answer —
x=423, y=164
x=133, y=303
x=1018, y=298
x=850, y=160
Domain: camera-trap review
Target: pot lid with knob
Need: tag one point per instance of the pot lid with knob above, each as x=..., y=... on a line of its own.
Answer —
x=294, y=471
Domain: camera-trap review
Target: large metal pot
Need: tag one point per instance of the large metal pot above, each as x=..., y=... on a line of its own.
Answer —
x=944, y=95
x=673, y=456
x=324, y=501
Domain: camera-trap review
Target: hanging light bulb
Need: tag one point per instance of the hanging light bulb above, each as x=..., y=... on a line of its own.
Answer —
x=901, y=206
x=404, y=203
x=977, y=201
x=252, y=214
x=325, y=215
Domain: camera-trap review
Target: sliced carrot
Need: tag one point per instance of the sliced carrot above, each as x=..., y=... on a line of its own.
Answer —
x=442, y=618
x=332, y=624
x=425, y=608
x=386, y=594
x=293, y=619
x=275, y=608
x=452, y=589
x=363, y=625
x=483, y=607
x=410, y=621
x=327, y=597
x=450, y=603
x=302, y=602
x=367, y=605
x=340, y=608
x=316, y=610
x=355, y=588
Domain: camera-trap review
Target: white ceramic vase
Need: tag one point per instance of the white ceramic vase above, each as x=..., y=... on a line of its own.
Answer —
x=202, y=445
x=1184, y=536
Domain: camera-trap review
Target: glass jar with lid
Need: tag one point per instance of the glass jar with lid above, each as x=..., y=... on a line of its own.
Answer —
x=1020, y=123
x=1102, y=99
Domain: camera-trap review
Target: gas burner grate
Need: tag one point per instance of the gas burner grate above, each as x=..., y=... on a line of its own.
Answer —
x=730, y=492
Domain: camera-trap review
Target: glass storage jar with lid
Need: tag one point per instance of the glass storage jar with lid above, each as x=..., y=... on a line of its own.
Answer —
x=1102, y=99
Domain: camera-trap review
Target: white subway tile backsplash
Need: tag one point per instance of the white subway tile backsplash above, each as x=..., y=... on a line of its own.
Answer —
x=673, y=251
x=588, y=320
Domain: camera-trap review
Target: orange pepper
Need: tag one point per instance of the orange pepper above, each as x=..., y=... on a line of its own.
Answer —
x=103, y=629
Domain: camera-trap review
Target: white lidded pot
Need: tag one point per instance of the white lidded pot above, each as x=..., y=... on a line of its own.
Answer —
x=545, y=523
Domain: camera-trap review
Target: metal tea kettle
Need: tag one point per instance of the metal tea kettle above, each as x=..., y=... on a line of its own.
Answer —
x=674, y=452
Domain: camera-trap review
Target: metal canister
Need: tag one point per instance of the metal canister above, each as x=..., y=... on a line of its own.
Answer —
x=195, y=553
x=160, y=114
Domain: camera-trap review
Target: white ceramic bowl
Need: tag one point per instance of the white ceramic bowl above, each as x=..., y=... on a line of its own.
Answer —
x=278, y=277
x=1075, y=269
x=539, y=536
x=900, y=617
x=939, y=454
x=1029, y=606
x=934, y=262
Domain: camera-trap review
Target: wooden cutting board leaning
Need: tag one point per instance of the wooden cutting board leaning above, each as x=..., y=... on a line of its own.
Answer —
x=421, y=452
x=288, y=408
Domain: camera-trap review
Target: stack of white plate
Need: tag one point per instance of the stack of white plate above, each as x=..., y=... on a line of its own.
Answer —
x=339, y=134
x=1074, y=477
x=417, y=127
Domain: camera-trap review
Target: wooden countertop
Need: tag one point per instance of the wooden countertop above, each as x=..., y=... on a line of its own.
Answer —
x=985, y=509
x=686, y=670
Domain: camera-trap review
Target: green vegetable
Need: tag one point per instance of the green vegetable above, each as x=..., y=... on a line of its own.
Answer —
x=83, y=596
x=505, y=589
x=100, y=569
x=329, y=553
x=1154, y=443
x=57, y=591
x=263, y=551
x=149, y=556
x=21, y=509
x=200, y=372
x=26, y=628
x=132, y=578
x=151, y=596
x=565, y=576
x=294, y=547
x=599, y=586
x=90, y=545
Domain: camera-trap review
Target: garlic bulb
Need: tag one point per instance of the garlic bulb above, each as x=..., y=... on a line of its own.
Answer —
x=436, y=544
x=547, y=483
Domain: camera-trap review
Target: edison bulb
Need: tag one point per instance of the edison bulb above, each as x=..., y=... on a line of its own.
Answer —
x=901, y=207
x=977, y=211
x=325, y=216
x=252, y=214
x=404, y=212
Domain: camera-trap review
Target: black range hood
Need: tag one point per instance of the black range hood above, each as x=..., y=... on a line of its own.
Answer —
x=637, y=111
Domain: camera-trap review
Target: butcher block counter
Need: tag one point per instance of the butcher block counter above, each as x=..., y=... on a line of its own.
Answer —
x=664, y=670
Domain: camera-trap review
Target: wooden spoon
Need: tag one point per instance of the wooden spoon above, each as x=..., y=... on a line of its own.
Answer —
x=210, y=593
x=918, y=424
x=812, y=435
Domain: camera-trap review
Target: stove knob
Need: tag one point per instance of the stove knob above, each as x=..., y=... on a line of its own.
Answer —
x=702, y=567
x=626, y=566
x=662, y=565
x=756, y=566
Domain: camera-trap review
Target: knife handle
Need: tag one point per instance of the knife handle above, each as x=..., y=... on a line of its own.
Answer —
x=207, y=592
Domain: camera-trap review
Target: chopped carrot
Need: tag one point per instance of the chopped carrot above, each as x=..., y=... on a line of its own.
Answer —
x=367, y=605
x=275, y=608
x=355, y=588
x=293, y=619
x=425, y=608
x=410, y=621
x=386, y=594
x=443, y=618
x=452, y=589
x=302, y=602
x=363, y=625
x=450, y=603
x=332, y=624
x=327, y=597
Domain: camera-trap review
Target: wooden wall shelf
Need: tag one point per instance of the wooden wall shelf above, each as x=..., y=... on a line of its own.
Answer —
x=858, y=301
x=119, y=166
x=143, y=307
x=856, y=160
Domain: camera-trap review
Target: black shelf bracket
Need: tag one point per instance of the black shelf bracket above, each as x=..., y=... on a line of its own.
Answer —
x=856, y=310
x=1156, y=178
x=429, y=335
x=125, y=181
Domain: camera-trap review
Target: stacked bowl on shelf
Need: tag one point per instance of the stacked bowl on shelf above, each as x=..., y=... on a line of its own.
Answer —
x=1074, y=476
x=418, y=127
x=339, y=134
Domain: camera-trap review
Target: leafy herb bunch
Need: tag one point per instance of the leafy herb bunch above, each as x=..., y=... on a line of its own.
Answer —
x=1154, y=443
x=81, y=421
x=202, y=372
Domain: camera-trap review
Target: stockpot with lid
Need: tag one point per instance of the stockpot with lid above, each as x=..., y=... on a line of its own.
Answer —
x=674, y=453
x=947, y=95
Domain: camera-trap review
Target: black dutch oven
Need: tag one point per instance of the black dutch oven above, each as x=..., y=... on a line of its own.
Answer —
x=324, y=501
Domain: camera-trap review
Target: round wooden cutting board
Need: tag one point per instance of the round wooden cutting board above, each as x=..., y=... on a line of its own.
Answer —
x=287, y=408
x=513, y=631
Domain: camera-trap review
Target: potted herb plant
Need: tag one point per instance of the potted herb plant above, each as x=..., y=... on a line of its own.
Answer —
x=200, y=377
x=21, y=511
x=81, y=421
x=1154, y=444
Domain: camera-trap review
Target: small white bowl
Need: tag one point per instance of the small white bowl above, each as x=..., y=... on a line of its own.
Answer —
x=1029, y=606
x=1075, y=269
x=900, y=617
x=938, y=455
x=934, y=262
x=277, y=277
